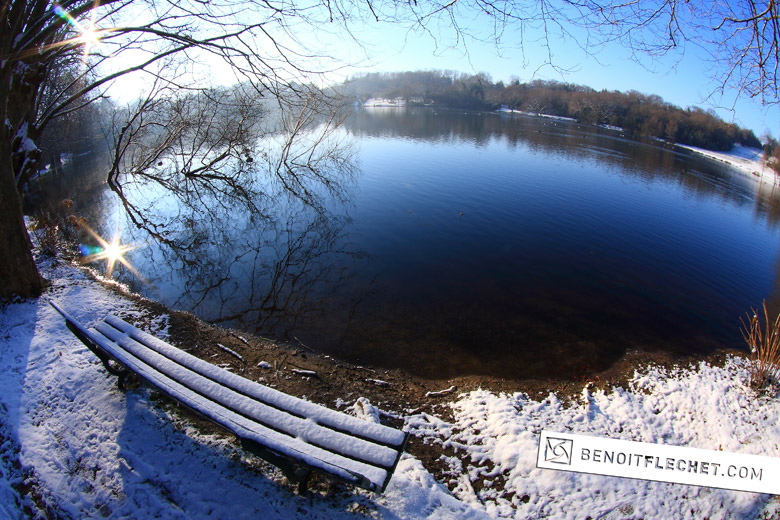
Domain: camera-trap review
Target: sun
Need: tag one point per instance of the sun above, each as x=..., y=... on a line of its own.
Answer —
x=91, y=38
x=89, y=35
x=112, y=252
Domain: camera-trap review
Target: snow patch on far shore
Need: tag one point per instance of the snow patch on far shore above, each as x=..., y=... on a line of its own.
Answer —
x=507, y=110
x=746, y=160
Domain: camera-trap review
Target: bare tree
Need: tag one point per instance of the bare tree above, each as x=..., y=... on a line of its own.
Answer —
x=271, y=46
x=180, y=135
x=739, y=37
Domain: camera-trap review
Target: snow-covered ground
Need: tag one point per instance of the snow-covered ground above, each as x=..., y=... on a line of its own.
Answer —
x=74, y=446
x=744, y=159
x=506, y=110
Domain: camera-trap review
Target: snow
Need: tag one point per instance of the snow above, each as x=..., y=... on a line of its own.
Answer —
x=73, y=446
x=746, y=160
x=26, y=144
x=441, y=392
x=709, y=408
x=382, y=102
x=365, y=410
x=230, y=351
x=507, y=110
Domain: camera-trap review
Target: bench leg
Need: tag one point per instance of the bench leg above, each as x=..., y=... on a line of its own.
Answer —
x=302, y=476
x=118, y=370
x=121, y=378
x=295, y=473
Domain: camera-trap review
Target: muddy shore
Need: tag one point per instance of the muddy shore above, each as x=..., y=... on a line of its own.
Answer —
x=337, y=384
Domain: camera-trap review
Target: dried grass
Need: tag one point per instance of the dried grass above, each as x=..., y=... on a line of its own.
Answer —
x=45, y=232
x=55, y=226
x=763, y=338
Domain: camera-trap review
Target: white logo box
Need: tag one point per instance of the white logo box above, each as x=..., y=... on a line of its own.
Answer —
x=663, y=463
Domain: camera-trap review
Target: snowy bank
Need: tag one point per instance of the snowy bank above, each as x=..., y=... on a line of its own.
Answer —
x=748, y=161
x=506, y=110
x=708, y=408
x=72, y=445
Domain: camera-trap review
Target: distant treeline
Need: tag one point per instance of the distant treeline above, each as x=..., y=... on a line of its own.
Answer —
x=637, y=114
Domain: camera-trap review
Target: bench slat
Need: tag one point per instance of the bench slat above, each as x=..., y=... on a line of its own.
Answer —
x=296, y=435
x=325, y=416
x=318, y=458
x=306, y=429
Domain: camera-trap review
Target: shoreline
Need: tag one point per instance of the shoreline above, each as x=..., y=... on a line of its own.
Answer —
x=306, y=373
x=323, y=378
x=745, y=160
x=185, y=328
x=472, y=452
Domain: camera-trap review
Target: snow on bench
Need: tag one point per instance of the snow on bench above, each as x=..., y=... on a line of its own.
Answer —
x=295, y=435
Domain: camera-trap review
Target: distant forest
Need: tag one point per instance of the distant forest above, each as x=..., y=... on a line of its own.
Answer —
x=637, y=114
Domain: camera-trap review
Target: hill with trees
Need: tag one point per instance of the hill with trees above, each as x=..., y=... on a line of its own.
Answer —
x=636, y=113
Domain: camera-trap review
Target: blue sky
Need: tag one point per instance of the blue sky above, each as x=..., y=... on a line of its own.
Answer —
x=682, y=79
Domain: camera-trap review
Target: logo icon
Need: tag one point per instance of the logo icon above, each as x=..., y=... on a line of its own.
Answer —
x=558, y=451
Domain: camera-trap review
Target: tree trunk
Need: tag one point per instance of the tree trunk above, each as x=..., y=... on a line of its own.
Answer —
x=18, y=271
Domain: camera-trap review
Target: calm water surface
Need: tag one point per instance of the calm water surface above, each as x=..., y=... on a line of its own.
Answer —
x=487, y=244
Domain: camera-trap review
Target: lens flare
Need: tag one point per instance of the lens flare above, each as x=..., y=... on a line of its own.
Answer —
x=89, y=36
x=112, y=252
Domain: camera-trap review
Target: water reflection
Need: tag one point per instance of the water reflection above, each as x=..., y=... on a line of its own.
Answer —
x=568, y=140
x=767, y=202
x=473, y=243
x=268, y=266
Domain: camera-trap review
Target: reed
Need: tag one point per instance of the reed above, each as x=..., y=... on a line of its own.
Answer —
x=763, y=338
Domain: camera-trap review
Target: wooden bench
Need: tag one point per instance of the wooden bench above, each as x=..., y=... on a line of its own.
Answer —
x=295, y=435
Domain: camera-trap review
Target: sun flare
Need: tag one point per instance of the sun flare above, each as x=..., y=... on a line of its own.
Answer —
x=112, y=252
x=91, y=38
x=89, y=35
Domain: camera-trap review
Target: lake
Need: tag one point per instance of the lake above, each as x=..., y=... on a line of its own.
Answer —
x=480, y=243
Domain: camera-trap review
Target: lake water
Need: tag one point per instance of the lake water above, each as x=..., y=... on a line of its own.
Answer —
x=476, y=243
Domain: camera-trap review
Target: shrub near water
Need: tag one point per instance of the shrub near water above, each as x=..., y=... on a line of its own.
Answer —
x=54, y=224
x=763, y=339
